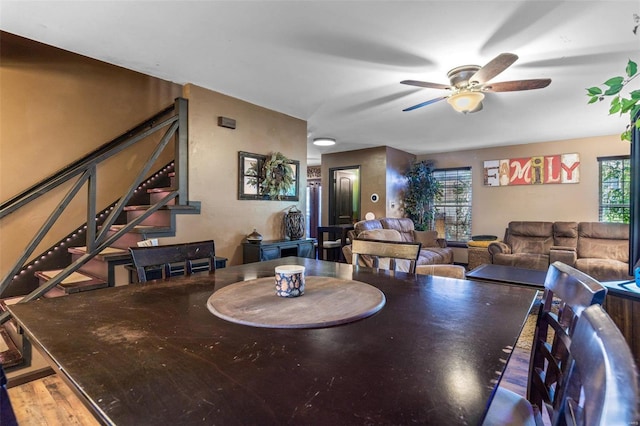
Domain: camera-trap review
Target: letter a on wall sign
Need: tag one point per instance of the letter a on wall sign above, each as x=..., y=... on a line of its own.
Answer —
x=570, y=164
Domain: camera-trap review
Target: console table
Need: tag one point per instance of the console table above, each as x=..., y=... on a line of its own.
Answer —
x=275, y=249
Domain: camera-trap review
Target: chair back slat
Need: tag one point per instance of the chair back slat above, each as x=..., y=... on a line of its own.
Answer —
x=173, y=259
x=393, y=250
x=568, y=292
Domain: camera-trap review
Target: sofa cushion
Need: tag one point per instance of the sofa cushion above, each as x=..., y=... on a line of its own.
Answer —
x=531, y=229
x=531, y=245
x=435, y=255
x=604, y=269
x=380, y=234
x=365, y=225
x=530, y=237
x=523, y=260
x=603, y=241
x=451, y=271
x=565, y=234
x=427, y=238
x=403, y=225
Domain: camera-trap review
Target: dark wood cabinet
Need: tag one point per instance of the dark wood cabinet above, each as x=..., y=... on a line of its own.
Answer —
x=275, y=249
x=625, y=312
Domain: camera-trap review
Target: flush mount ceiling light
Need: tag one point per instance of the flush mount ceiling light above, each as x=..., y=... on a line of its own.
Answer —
x=324, y=141
x=465, y=101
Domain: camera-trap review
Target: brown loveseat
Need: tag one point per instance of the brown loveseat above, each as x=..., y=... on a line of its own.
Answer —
x=434, y=250
x=598, y=249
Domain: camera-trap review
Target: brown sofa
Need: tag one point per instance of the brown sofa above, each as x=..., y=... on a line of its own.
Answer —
x=434, y=250
x=598, y=249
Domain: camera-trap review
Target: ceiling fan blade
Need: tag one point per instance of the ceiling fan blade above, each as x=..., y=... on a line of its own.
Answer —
x=494, y=67
x=426, y=84
x=432, y=101
x=512, y=86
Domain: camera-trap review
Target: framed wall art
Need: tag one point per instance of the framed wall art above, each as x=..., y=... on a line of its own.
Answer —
x=267, y=177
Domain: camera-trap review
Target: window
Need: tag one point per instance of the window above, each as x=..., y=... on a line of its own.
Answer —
x=615, y=181
x=453, y=206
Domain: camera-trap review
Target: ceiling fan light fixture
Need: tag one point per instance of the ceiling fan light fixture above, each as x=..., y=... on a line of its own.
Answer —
x=324, y=141
x=465, y=101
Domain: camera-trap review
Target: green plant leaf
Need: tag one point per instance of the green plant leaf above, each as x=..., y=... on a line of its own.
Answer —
x=593, y=99
x=627, y=104
x=614, y=81
x=613, y=90
x=632, y=68
x=635, y=95
x=615, y=108
x=595, y=90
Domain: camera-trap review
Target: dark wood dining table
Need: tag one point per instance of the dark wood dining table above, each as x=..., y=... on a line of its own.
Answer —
x=153, y=353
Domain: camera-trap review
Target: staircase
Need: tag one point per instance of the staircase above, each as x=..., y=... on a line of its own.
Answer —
x=89, y=258
x=100, y=270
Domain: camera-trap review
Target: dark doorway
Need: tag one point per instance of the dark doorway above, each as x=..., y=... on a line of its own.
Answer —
x=344, y=195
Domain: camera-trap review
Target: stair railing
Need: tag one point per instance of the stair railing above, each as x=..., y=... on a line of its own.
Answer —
x=85, y=170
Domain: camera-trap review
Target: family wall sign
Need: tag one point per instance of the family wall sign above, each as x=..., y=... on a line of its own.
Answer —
x=539, y=170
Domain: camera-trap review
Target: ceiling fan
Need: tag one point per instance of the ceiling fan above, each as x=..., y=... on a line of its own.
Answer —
x=470, y=82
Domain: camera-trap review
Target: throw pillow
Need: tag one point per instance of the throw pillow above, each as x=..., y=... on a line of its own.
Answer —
x=427, y=238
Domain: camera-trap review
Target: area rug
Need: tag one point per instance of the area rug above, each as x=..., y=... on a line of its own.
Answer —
x=525, y=341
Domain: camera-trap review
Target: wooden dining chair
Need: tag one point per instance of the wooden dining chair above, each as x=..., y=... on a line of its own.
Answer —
x=161, y=262
x=567, y=293
x=201, y=256
x=391, y=250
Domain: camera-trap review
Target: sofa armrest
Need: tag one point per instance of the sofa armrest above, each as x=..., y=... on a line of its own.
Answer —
x=496, y=247
x=566, y=255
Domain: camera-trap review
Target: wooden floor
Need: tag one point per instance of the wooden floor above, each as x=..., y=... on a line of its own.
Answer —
x=48, y=402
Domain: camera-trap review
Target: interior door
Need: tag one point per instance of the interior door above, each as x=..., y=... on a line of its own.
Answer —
x=344, y=200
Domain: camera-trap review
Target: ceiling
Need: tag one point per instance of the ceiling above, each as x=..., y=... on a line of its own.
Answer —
x=338, y=64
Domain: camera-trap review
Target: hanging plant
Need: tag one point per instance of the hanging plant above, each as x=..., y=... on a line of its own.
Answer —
x=278, y=176
x=620, y=105
x=613, y=89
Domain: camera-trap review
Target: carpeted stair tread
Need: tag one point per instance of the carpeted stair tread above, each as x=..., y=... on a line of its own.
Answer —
x=75, y=282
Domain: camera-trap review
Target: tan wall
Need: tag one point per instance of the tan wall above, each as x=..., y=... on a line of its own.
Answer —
x=381, y=172
x=56, y=107
x=213, y=170
x=373, y=163
x=495, y=207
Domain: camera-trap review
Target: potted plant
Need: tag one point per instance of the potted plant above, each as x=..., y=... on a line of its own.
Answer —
x=422, y=189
